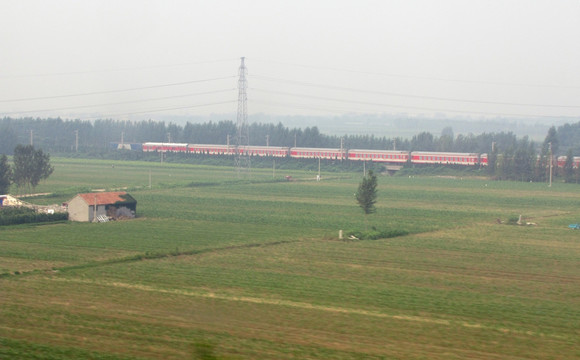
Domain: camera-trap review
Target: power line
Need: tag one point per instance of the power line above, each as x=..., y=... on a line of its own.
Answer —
x=420, y=77
x=115, y=91
x=114, y=70
x=267, y=78
x=411, y=107
x=305, y=107
x=159, y=110
x=117, y=103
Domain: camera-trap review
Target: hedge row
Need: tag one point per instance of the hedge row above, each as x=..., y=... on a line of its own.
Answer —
x=22, y=215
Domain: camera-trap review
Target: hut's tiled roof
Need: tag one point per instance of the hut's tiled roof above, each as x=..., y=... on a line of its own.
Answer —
x=105, y=198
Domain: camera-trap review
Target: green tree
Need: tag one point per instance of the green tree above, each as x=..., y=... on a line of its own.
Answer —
x=551, y=138
x=524, y=160
x=30, y=166
x=423, y=142
x=492, y=162
x=8, y=138
x=445, y=142
x=366, y=195
x=569, y=167
x=5, y=175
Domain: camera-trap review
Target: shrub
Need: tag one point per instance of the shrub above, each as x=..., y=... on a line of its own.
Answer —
x=22, y=215
x=375, y=234
x=513, y=220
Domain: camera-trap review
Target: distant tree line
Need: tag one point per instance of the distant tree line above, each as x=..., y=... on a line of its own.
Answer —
x=60, y=136
x=509, y=157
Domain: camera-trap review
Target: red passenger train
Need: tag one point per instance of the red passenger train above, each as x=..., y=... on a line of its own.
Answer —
x=392, y=157
x=379, y=156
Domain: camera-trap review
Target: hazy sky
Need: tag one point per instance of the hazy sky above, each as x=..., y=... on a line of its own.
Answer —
x=145, y=58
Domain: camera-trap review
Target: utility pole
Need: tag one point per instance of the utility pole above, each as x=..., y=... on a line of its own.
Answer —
x=267, y=140
x=551, y=157
x=122, y=138
x=341, y=151
x=242, y=160
x=76, y=141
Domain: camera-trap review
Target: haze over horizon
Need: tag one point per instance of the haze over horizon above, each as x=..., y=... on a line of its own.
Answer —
x=142, y=60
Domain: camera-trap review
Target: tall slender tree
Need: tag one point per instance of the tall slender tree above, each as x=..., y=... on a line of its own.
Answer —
x=366, y=195
x=5, y=175
x=552, y=138
x=569, y=167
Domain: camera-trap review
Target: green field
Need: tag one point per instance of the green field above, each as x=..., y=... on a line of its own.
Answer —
x=254, y=269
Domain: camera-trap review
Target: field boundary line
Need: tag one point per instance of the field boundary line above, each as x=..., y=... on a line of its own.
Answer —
x=143, y=257
x=303, y=305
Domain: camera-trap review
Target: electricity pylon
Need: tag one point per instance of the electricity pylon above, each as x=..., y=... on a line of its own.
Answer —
x=242, y=131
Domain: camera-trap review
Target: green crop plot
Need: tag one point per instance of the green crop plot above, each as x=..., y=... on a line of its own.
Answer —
x=252, y=268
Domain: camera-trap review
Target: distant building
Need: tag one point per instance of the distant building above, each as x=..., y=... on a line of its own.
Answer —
x=101, y=206
x=7, y=200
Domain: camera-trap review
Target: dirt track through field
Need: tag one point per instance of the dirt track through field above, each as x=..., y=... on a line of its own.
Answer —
x=295, y=304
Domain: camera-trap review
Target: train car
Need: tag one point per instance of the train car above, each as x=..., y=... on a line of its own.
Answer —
x=385, y=156
x=150, y=146
x=317, y=153
x=444, y=158
x=164, y=147
x=483, y=160
x=210, y=149
x=271, y=151
x=561, y=161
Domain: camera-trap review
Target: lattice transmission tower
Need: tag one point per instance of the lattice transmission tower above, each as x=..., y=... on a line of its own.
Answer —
x=242, y=140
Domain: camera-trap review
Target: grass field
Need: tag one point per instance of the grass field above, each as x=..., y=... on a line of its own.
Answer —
x=254, y=269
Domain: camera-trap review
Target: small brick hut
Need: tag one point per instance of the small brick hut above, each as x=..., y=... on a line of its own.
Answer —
x=94, y=206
